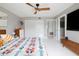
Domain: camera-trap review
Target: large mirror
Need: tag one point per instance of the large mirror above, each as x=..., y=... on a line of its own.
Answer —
x=3, y=20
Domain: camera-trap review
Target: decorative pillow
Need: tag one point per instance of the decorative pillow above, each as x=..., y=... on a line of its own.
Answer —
x=1, y=43
x=7, y=38
x=3, y=36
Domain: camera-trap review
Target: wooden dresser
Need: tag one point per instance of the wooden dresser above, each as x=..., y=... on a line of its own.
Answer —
x=17, y=32
x=2, y=31
x=73, y=46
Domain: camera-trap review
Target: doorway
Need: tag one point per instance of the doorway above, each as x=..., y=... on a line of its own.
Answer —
x=62, y=27
x=51, y=29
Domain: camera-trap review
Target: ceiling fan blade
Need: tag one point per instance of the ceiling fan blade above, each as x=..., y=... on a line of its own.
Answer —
x=30, y=5
x=35, y=12
x=42, y=9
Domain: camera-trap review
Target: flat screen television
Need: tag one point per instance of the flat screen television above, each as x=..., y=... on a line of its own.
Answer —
x=73, y=21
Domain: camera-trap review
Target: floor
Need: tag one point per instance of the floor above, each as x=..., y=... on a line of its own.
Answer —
x=54, y=48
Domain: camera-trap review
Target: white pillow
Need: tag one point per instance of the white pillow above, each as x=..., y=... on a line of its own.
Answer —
x=3, y=36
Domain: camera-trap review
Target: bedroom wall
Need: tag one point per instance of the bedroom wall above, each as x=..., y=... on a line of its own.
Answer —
x=73, y=35
x=12, y=21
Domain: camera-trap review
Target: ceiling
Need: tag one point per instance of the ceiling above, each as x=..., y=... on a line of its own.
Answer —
x=23, y=10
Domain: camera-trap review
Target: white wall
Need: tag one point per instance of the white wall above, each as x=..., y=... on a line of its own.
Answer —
x=73, y=35
x=34, y=28
x=12, y=21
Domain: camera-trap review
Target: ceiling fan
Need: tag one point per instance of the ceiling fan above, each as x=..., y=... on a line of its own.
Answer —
x=37, y=8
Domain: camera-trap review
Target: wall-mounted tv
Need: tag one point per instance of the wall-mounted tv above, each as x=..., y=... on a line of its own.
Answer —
x=73, y=21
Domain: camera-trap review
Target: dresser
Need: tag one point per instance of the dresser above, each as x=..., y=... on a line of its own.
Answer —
x=19, y=32
x=73, y=46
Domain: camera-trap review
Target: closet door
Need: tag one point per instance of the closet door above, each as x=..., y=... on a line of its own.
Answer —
x=34, y=28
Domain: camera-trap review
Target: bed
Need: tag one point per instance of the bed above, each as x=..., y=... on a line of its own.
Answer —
x=2, y=31
x=4, y=38
x=31, y=46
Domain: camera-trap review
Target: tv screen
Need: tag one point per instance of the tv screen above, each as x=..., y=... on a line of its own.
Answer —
x=73, y=21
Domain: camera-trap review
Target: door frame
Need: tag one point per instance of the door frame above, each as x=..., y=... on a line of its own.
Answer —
x=47, y=26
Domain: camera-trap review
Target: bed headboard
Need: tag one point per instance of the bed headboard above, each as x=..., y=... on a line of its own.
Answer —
x=2, y=31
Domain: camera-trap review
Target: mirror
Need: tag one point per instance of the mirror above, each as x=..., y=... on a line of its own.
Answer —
x=3, y=20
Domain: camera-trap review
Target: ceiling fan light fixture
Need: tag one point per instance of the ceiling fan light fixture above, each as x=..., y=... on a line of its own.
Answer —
x=37, y=4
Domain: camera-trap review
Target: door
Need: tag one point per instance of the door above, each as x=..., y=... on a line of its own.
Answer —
x=51, y=29
x=62, y=27
x=34, y=28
